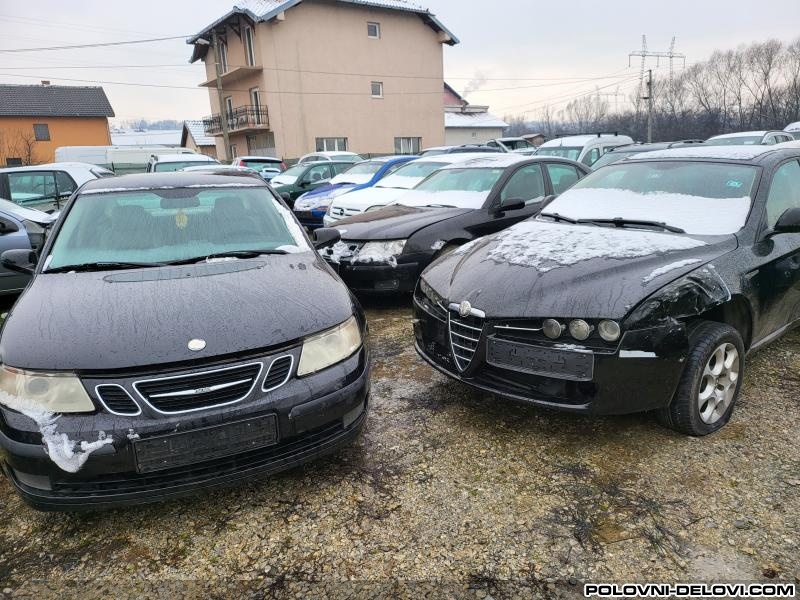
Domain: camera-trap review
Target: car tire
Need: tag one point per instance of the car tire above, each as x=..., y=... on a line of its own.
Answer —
x=710, y=383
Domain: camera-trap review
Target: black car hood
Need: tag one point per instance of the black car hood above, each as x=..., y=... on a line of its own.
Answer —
x=540, y=269
x=131, y=318
x=394, y=222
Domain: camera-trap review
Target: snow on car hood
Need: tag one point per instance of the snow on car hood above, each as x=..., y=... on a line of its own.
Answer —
x=354, y=179
x=373, y=196
x=283, y=179
x=399, y=181
x=456, y=199
x=540, y=269
x=694, y=214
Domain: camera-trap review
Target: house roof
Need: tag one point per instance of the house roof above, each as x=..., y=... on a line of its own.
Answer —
x=198, y=133
x=53, y=101
x=477, y=119
x=260, y=11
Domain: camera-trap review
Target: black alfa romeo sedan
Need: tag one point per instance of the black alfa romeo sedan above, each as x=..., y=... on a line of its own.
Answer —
x=167, y=343
x=641, y=288
x=385, y=250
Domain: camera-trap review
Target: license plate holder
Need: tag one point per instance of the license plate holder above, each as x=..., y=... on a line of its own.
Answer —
x=574, y=365
x=198, y=445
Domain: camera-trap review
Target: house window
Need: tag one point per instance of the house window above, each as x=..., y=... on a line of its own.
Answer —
x=223, y=57
x=255, y=100
x=249, y=51
x=374, y=30
x=332, y=144
x=407, y=145
x=377, y=89
x=13, y=162
x=229, y=112
x=233, y=153
x=41, y=132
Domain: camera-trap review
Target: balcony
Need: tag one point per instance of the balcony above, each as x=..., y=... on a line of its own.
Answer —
x=243, y=118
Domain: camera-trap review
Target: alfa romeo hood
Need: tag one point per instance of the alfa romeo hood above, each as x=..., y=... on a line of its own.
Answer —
x=538, y=269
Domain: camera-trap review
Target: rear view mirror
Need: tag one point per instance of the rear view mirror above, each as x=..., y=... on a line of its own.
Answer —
x=326, y=236
x=19, y=261
x=788, y=222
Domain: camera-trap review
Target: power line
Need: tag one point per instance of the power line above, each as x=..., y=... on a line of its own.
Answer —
x=98, y=45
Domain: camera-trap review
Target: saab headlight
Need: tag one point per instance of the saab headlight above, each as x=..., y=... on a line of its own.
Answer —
x=609, y=330
x=322, y=350
x=50, y=392
x=383, y=249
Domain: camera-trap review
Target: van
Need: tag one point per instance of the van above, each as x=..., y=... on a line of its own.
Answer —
x=585, y=148
x=120, y=159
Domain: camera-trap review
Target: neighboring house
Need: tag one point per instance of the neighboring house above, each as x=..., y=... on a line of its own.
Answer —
x=194, y=137
x=36, y=119
x=169, y=138
x=465, y=123
x=308, y=75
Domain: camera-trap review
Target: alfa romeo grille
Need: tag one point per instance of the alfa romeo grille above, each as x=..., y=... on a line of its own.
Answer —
x=465, y=333
x=184, y=393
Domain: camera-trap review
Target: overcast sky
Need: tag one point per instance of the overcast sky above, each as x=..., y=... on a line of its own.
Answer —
x=521, y=54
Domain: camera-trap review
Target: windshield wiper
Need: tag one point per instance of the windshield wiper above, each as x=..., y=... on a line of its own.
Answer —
x=558, y=217
x=228, y=254
x=103, y=266
x=620, y=222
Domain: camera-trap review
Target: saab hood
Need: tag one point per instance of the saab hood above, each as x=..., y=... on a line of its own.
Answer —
x=132, y=318
x=538, y=269
x=393, y=222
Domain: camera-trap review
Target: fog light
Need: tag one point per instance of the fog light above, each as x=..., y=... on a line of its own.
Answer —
x=552, y=328
x=579, y=329
x=608, y=330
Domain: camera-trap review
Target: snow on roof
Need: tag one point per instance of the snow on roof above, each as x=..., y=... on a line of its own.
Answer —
x=198, y=132
x=792, y=126
x=454, y=120
x=723, y=152
x=155, y=137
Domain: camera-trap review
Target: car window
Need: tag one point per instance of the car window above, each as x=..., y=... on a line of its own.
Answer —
x=65, y=183
x=461, y=180
x=570, y=152
x=784, y=193
x=591, y=157
x=164, y=225
x=164, y=167
x=318, y=173
x=562, y=176
x=526, y=184
x=31, y=186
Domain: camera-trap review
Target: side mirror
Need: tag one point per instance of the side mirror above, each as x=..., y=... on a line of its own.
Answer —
x=19, y=261
x=510, y=204
x=326, y=236
x=788, y=222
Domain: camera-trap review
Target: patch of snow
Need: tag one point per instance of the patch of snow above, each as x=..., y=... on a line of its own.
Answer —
x=216, y=185
x=734, y=152
x=546, y=246
x=67, y=454
x=132, y=435
x=670, y=267
x=289, y=249
x=438, y=245
x=292, y=225
x=374, y=257
x=341, y=250
x=337, y=252
x=572, y=348
x=694, y=214
x=636, y=354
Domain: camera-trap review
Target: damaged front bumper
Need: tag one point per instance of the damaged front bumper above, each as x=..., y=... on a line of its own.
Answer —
x=379, y=277
x=156, y=456
x=641, y=373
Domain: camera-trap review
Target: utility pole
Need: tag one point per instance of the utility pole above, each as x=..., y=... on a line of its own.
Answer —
x=649, y=99
x=220, y=97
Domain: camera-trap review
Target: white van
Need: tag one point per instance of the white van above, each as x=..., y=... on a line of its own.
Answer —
x=583, y=148
x=120, y=159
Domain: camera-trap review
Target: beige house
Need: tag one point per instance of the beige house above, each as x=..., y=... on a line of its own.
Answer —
x=466, y=123
x=306, y=75
x=194, y=137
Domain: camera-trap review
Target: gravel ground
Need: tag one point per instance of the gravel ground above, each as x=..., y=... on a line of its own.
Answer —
x=453, y=493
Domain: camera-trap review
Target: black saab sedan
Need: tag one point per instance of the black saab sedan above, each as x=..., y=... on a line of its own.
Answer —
x=641, y=288
x=171, y=340
x=385, y=250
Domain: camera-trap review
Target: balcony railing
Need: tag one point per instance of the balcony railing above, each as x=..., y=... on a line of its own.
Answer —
x=243, y=117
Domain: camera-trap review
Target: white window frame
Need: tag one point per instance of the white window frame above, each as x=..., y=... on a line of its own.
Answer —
x=249, y=47
x=255, y=100
x=372, y=89
x=405, y=145
x=223, y=57
x=232, y=151
x=377, y=26
x=330, y=144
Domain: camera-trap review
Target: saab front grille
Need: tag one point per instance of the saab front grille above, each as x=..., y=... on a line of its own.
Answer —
x=117, y=400
x=465, y=333
x=196, y=391
x=278, y=373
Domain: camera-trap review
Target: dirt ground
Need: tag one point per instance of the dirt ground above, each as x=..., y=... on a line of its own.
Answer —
x=454, y=493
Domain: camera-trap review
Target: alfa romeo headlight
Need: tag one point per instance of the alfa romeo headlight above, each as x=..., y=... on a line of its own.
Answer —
x=322, y=350
x=429, y=292
x=51, y=392
x=385, y=249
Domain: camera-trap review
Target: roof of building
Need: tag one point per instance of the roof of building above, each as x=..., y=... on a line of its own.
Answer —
x=53, y=101
x=198, y=133
x=151, y=137
x=480, y=119
x=260, y=11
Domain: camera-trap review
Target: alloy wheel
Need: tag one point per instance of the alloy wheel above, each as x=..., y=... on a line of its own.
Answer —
x=718, y=383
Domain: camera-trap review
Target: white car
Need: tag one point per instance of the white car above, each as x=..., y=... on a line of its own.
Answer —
x=47, y=186
x=512, y=144
x=162, y=163
x=267, y=166
x=793, y=129
x=391, y=187
x=337, y=155
x=750, y=138
x=583, y=148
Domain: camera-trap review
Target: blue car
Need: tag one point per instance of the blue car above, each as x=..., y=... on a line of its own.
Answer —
x=311, y=206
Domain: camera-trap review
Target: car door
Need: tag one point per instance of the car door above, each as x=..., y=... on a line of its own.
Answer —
x=315, y=176
x=777, y=281
x=562, y=176
x=13, y=236
x=36, y=189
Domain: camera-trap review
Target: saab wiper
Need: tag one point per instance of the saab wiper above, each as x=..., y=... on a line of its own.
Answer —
x=229, y=254
x=558, y=217
x=103, y=266
x=620, y=222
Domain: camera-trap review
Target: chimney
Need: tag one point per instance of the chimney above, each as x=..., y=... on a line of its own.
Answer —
x=45, y=82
